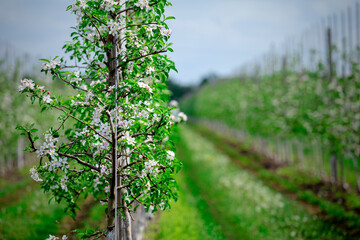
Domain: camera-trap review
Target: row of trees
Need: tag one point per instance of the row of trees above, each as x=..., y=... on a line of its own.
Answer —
x=298, y=113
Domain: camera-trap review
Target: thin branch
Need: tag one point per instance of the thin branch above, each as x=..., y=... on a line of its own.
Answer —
x=146, y=55
x=79, y=161
x=32, y=144
x=77, y=119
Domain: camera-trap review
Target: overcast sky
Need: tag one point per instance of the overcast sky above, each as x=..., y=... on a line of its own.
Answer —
x=208, y=35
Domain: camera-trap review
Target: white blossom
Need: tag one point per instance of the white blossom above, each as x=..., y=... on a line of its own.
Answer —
x=50, y=65
x=143, y=4
x=107, y=189
x=58, y=163
x=76, y=78
x=109, y=5
x=170, y=155
x=164, y=31
x=63, y=182
x=183, y=116
x=26, y=83
x=48, y=146
x=150, y=168
x=173, y=103
x=51, y=237
x=47, y=99
x=145, y=85
x=150, y=70
x=35, y=175
x=129, y=140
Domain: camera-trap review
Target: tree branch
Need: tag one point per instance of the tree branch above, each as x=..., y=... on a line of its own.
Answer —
x=79, y=161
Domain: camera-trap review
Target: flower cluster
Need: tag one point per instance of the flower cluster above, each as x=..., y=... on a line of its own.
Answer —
x=143, y=4
x=150, y=168
x=116, y=28
x=164, y=31
x=48, y=147
x=35, y=175
x=170, y=155
x=50, y=65
x=76, y=78
x=51, y=237
x=109, y=5
x=145, y=85
x=26, y=83
x=46, y=98
x=58, y=163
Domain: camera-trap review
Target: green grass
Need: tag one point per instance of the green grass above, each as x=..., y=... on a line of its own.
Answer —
x=31, y=218
x=189, y=218
x=242, y=205
x=291, y=179
x=26, y=213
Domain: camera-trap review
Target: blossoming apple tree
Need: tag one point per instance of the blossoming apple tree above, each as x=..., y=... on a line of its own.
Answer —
x=112, y=141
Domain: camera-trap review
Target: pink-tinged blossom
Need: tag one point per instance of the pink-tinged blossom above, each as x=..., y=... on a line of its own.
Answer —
x=40, y=88
x=64, y=237
x=130, y=66
x=143, y=4
x=26, y=83
x=105, y=170
x=162, y=205
x=47, y=99
x=164, y=31
x=145, y=85
x=96, y=183
x=107, y=189
x=50, y=65
x=35, y=175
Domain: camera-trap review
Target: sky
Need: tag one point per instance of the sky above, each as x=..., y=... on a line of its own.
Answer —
x=209, y=36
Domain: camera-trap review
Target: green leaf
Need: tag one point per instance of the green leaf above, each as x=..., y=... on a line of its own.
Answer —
x=169, y=18
x=18, y=127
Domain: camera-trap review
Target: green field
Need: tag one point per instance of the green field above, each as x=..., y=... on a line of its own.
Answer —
x=232, y=202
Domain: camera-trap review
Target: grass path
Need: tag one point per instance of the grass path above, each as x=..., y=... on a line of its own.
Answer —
x=25, y=212
x=241, y=205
